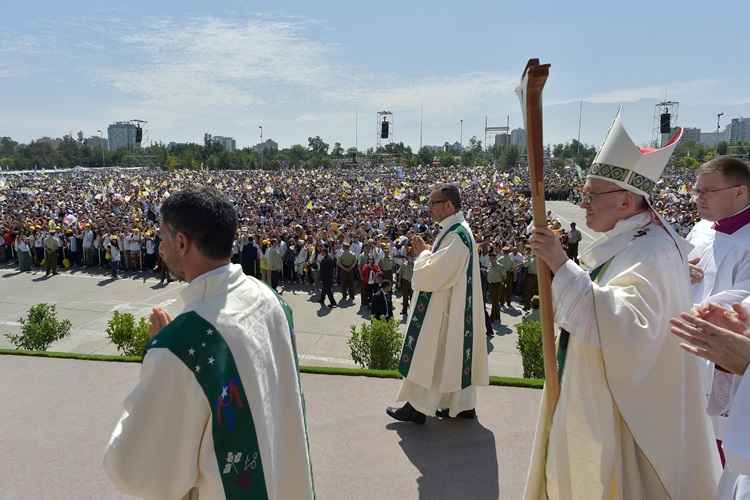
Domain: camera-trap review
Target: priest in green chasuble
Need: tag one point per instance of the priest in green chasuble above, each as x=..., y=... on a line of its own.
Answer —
x=444, y=356
x=218, y=412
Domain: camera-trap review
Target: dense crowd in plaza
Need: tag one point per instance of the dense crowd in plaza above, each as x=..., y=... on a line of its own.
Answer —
x=362, y=218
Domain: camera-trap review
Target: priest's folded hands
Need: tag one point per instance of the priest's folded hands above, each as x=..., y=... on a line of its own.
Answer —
x=547, y=246
x=717, y=334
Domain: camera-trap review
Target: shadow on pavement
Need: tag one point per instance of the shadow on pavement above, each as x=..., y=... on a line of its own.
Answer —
x=456, y=458
x=10, y=275
x=501, y=330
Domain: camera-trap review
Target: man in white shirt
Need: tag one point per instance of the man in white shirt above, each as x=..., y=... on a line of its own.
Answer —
x=88, y=246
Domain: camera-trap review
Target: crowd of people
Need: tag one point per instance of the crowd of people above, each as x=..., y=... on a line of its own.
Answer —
x=293, y=222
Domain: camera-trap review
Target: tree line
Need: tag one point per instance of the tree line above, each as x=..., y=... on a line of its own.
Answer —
x=69, y=151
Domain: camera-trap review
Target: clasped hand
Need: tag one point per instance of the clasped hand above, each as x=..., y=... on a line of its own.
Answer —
x=159, y=319
x=716, y=334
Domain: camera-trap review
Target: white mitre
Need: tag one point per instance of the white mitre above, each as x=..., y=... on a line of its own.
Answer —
x=622, y=162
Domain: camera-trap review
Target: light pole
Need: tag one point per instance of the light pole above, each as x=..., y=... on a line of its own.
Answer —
x=260, y=146
x=718, y=126
x=461, y=133
x=101, y=145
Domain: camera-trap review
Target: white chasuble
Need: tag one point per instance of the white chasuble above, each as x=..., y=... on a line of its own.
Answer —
x=218, y=412
x=630, y=422
x=445, y=349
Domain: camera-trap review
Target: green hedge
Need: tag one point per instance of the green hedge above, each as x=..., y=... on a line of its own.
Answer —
x=319, y=370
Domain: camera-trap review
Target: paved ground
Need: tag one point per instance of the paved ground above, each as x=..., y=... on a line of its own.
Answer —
x=58, y=415
x=89, y=300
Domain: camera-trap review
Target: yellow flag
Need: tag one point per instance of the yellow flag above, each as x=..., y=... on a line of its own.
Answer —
x=517, y=180
x=309, y=205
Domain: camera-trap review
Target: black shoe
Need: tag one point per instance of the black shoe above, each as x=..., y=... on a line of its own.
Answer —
x=333, y=305
x=467, y=414
x=407, y=413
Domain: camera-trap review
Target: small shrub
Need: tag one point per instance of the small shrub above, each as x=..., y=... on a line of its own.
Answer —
x=130, y=338
x=40, y=328
x=376, y=345
x=529, y=345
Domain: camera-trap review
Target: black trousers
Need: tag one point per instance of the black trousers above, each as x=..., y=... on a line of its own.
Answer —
x=327, y=291
x=275, y=278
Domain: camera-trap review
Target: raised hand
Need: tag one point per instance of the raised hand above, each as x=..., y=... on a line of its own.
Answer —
x=724, y=347
x=159, y=319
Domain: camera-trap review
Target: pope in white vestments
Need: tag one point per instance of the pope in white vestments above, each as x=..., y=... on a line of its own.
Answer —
x=218, y=412
x=630, y=422
x=444, y=356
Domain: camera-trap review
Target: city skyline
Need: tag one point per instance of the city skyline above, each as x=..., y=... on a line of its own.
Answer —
x=305, y=70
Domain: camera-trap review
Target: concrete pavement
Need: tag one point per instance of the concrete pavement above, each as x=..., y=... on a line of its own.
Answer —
x=88, y=299
x=58, y=414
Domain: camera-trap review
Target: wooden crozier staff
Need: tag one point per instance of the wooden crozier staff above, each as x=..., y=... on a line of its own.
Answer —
x=530, y=92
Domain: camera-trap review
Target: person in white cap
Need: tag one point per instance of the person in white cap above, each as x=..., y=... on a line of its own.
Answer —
x=630, y=422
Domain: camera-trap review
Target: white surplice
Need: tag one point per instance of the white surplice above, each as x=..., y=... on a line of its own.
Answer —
x=735, y=483
x=725, y=261
x=630, y=422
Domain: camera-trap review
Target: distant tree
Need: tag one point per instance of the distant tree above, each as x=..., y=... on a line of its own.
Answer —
x=297, y=155
x=426, y=155
x=337, y=151
x=722, y=148
x=7, y=146
x=317, y=145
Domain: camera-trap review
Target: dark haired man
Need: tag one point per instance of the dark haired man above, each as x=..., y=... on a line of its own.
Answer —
x=218, y=410
x=444, y=356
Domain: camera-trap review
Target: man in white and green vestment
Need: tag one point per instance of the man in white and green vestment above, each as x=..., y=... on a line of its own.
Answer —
x=444, y=356
x=218, y=411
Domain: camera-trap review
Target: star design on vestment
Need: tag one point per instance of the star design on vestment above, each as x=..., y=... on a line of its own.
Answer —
x=211, y=360
x=198, y=368
x=191, y=351
x=224, y=391
x=155, y=341
x=203, y=344
x=209, y=332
